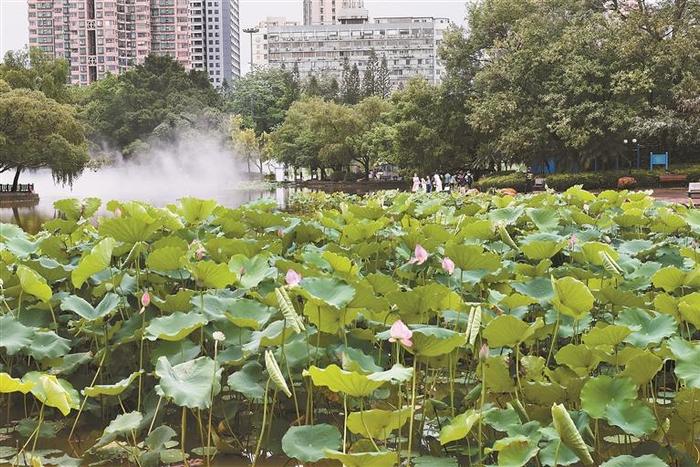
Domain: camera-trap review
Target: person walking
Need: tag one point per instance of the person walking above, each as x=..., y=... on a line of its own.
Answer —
x=469, y=179
x=429, y=184
x=416, y=183
x=423, y=185
x=448, y=181
x=437, y=182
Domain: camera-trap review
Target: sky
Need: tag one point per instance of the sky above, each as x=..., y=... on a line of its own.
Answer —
x=14, y=34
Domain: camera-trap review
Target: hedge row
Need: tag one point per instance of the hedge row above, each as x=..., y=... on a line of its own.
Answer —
x=589, y=180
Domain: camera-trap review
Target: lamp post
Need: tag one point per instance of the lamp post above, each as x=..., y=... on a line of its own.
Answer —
x=635, y=149
x=251, y=31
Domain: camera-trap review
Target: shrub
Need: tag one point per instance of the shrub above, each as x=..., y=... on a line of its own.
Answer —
x=514, y=180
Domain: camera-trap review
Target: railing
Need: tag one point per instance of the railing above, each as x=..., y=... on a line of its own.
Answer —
x=26, y=188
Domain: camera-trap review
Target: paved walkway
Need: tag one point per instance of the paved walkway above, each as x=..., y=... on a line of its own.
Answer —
x=676, y=195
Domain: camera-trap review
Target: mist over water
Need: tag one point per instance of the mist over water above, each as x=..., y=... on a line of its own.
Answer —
x=200, y=166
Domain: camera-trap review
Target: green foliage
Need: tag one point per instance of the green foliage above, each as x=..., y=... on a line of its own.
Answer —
x=532, y=350
x=35, y=70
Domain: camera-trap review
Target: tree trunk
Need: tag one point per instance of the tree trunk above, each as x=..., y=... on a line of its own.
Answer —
x=16, y=180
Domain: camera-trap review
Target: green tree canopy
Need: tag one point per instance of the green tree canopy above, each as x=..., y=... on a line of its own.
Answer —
x=36, y=70
x=37, y=132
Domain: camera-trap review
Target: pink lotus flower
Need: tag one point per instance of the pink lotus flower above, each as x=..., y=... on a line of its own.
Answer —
x=448, y=265
x=292, y=278
x=200, y=253
x=117, y=212
x=400, y=332
x=484, y=352
x=420, y=256
x=572, y=241
x=145, y=299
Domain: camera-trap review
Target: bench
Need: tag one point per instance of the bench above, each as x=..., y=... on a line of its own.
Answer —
x=673, y=178
x=540, y=184
x=693, y=190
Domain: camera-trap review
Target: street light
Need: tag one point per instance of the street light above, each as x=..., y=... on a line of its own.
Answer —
x=635, y=148
x=251, y=31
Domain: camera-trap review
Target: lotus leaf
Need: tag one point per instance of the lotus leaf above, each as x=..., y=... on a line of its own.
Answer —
x=308, y=443
x=10, y=384
x=97, y=260
x=123, y=424
x=338, y=380
x=377, y=423
x=190, y=384
x=174, y=327
x=211, y=275
x=332, y=292
x=572, y=297
x=459, y=427
x=52, y=391
x=111, y=389
x=86, y=311
x=363, y=459
x=648, y=460
x=33, y=284
x=14, y=336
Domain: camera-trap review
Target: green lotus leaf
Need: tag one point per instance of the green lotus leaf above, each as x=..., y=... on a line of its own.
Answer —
x=632, y=416
x=432, y=341
x=190, y=384
x=505, y=331
x=211, y=275
x=160, y=437
x=327, y=318
x=648, y=460
x=175, y=351
x=33, y=284
x=10, y=384
x=48, y=344
x=544, y=218
x=181, y=301
x=123, y=425
x=591, y=253
x=507, y=216
x=430, y=461
x=196, y=210
x=129, y=230
x=174, y=327
x=642, y=368
x=572, y=297
x=687, y=361
x=249, y=313
x=606, y=335
x=348, y=382
x=496, y=375
x=86, y=311
x=647, y=327
x=689, y=307
x=363, y=459
x=53, y=392
x=249, y=381
x=540, y=288
x=577, y=357
x=356, y=360
x=331, y=291
x=556, y=453
x=67, y=364
x=273, y=334
x=14, y=336
x=669, y=278
x=472, y=257
x=544, y=394
x=459, y=427
x=221, y=249
x=111, y=389
x=167, y=258
x=377, y=423
x=96, y=261
x=308, y=443
x=515, y=450
x=397, y=374
x=252, y=271
x=73, y=209
x=603, y=392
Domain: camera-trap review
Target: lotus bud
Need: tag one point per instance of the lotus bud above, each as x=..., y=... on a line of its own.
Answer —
x=292, y=278
x=117, y=212
x=219, y=336
x=401, y=333
x=572, y=241
x=448, y=265
x=145, y=299
x=280, y=233
x=484, y=352
x=200, y=253
x=420, y=255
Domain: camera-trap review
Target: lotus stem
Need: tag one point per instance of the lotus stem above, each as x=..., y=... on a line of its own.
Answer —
x=183, y=428
x=211, y=402
x=554, y=339
x=82, y=405
x=345, y=422
x=364, y=425
x=413, y=409
x=143, y=330
x=262, y=426
x=38, y=428
x=155, y=415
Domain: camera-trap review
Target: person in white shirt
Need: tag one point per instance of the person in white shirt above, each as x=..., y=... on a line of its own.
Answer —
x=416, y=183
x=437, y=183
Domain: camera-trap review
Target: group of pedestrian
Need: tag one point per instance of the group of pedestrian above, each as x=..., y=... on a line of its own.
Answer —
x=446, y=182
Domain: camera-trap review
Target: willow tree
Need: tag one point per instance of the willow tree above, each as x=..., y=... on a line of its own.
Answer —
x=37, y=132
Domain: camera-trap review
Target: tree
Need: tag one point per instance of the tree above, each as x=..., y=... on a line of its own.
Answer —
x=158, y=96
x=383, y=80
x=38, y=132
x=262, y=97
x=369, y=140
x=350, y=87
x=369, y=79
x=34, y=69
x=313, y=87
x=250, y=146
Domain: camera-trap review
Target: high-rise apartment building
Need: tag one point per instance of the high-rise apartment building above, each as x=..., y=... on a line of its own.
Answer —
x=100, y=37
x=325, y=12
x=260, y=46
x=409, y=44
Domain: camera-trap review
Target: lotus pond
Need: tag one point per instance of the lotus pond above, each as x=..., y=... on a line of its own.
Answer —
x=433, y=330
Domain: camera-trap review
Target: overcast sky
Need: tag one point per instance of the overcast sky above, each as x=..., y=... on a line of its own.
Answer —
x=13, y=16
